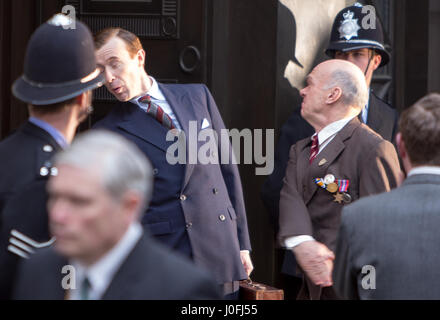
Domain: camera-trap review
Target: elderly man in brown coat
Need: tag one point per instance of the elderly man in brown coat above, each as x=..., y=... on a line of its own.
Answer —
x=343, y=161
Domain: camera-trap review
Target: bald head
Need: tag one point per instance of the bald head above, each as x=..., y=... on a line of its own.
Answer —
x=349, y=79
x=336, y=89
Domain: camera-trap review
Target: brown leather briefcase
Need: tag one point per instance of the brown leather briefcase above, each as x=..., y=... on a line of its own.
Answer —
x=250, y=290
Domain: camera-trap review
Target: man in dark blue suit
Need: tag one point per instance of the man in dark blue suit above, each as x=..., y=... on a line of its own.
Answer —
x=197, y=209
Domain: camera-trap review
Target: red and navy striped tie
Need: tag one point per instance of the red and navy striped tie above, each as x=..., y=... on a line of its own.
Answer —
x=157, y=112
x=314, y=149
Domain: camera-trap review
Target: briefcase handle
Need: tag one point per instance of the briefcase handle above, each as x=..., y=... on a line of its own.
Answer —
x=255, y=285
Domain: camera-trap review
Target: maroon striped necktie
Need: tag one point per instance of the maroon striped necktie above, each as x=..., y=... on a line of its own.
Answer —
x=157, y=112
x=314, y=149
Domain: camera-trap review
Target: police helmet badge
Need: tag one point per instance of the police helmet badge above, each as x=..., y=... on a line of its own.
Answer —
x=349, y=27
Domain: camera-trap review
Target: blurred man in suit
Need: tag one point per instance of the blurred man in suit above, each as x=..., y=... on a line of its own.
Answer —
x=343, y=161
x=103, y=185
x=56, y=85
x=197, y=209
x=387, y=244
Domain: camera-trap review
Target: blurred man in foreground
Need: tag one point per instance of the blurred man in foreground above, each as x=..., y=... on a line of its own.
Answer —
x=103, y=185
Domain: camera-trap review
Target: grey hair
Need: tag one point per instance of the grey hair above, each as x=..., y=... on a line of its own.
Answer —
x=122, y=165
x=353, y=85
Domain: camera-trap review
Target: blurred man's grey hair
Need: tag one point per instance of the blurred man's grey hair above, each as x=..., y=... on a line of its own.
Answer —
x=120, y=163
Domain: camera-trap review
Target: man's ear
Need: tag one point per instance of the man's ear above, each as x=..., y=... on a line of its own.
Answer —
x=334, y=95
x=80, y=99
x=377, y=59
x=131, y=202
x=140, y=56
x=401, y=148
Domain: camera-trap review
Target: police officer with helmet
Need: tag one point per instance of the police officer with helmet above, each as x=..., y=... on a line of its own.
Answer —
x=60, y=73
x=357, y=36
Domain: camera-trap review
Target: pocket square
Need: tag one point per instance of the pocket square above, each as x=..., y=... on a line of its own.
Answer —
x=205, y=123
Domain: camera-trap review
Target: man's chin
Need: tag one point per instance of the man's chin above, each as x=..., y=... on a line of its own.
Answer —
x=121, y=97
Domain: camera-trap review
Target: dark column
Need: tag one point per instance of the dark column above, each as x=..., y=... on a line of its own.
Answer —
x=243, y=84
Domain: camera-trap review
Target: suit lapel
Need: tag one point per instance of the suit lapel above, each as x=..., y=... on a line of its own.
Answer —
x=140, y=124
x=326, y=157
x=182, y=107
x=127, y=278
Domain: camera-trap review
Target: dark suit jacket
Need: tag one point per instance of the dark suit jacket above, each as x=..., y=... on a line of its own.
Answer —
x=382, y=118
x=397, y=234
x=356, y=154
x=196, y=209
x=150, y=272
x=23, y=193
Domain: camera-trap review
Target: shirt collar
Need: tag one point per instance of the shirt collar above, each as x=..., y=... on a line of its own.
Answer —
x=101, y=273
x=154, y=93
x=54, y=133
x=424, y=170
x=332, y=129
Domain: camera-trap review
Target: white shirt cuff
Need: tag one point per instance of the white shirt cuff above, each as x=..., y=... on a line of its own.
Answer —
x=292, y=242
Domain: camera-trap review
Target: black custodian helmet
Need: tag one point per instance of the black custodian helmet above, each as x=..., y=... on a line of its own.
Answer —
x=348, y=32
x=59, y=64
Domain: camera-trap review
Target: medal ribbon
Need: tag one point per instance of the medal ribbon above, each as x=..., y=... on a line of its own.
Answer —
x=343, y=185
x=320, y=182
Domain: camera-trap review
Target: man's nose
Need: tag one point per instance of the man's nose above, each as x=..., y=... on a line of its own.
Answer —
x=109, y=77
x=302, y=92
x=57, y=211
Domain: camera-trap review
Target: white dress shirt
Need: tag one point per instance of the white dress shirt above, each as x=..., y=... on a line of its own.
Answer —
x=325, y=136
x=424, y=170
x=364, y=112
x=101, y=273
x=158, y=98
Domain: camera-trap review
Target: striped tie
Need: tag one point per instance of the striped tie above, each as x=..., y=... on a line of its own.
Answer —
x=157, y=112
x=314, y=149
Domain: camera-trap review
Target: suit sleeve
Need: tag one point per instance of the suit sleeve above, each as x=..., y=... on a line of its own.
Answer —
x=231, y=176
x=294, y=216
x=344, y=279
x=380, y=170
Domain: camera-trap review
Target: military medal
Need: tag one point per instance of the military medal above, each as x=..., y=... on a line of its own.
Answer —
x=329, y=179
x=337, y=187
x=346, y=198
x=332, y=187
x=338, y=197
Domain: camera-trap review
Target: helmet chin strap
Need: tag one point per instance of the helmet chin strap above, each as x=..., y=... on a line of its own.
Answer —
x=369, y=61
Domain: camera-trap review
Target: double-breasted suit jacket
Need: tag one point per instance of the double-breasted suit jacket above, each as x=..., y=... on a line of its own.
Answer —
x=197, y=209
x=356, y=154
